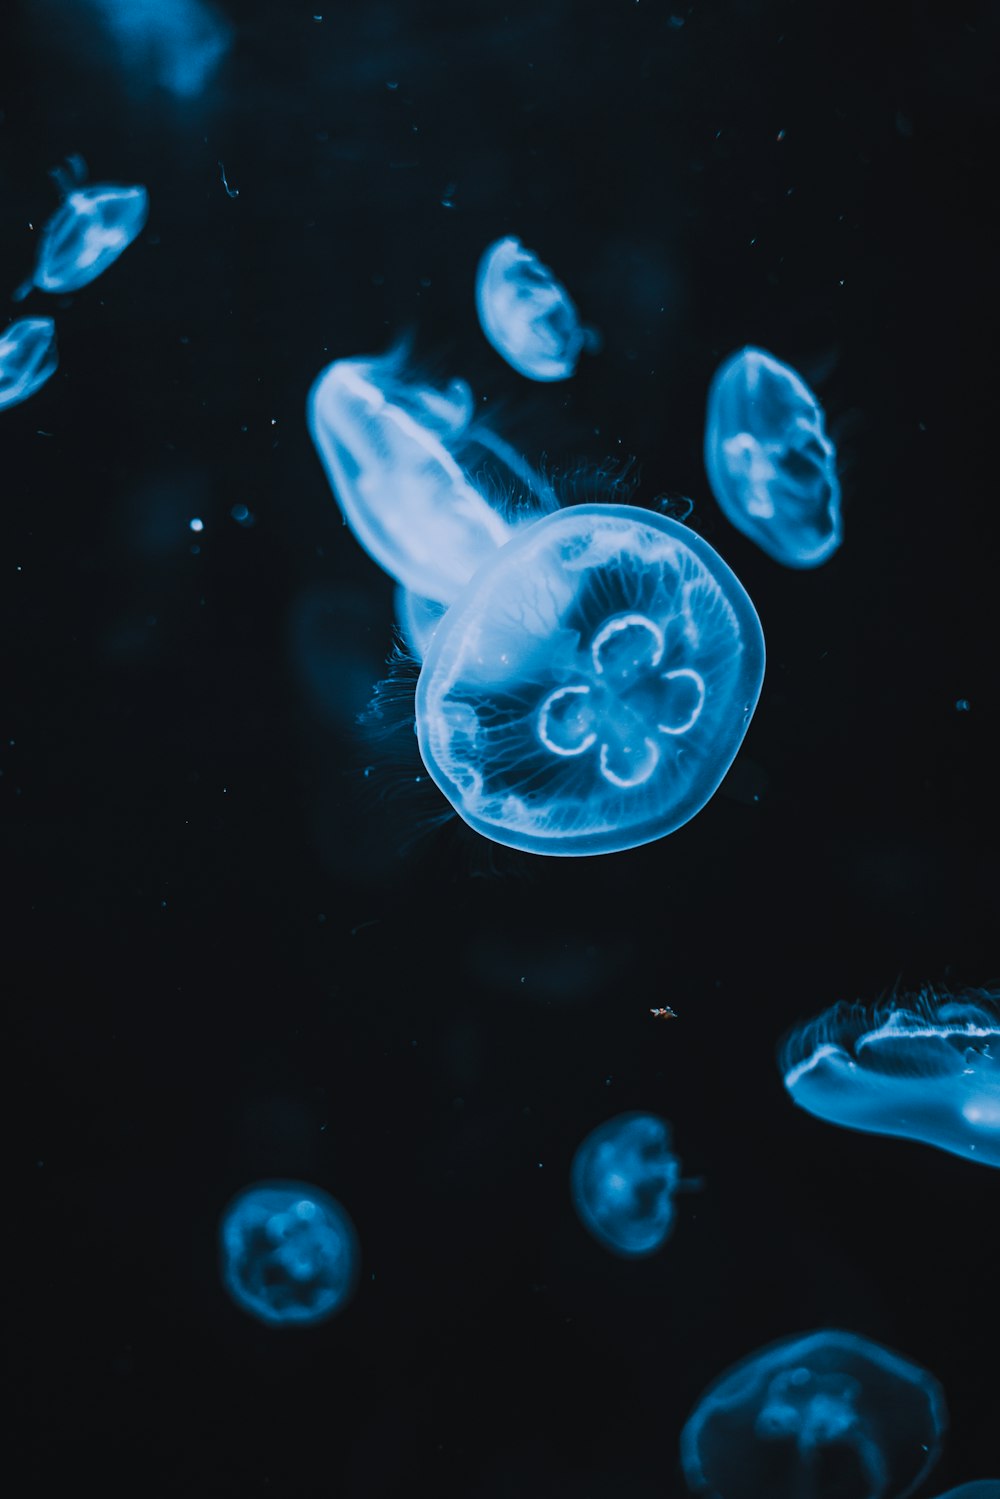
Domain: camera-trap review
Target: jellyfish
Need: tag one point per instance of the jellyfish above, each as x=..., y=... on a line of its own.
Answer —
x=923, y=1066
x=982, y=1488
x=827, y=1413
x=176, y=44
x=87, y=233
x=28, y=358
x=592, y=685
x=289, y=1253
x=623, y=1180
x=526, y=314
x=417, y=619
x=771, y=466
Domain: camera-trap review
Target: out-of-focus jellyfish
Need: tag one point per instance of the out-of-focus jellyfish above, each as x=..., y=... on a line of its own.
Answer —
x=289, y=1253
x=982, y=1488
x=590, y=688
x=384, y=443
x=28, y=358
x=924, y=1066
x=623, y=1181
x=176, y=44
x=771, y=465
x=87, y=233
x=812, y=1417
x=417, y=619
x=526, y=314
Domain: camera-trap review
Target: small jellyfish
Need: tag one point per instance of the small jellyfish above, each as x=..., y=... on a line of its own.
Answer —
x=87, y=233
x=526, y=314
x=289, y=1253
x=383, y=441
x=417, y=619
x=771, y=466
x=623, y=1181
x=924, y=1066
x=28, y=358
x=828, y=1413
x=591, y=687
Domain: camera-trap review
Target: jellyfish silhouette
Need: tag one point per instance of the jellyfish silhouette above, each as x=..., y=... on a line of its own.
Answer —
x=982, y=1488
x=289, y=1253
x=923, y=1066
x=28, y=358
x=771, y=465
x=812, y=1417
x=623, y=1180
x=87, y=234
x=526, y=314
x=591, y=687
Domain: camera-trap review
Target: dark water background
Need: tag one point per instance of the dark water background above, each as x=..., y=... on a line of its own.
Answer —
x=232, y=955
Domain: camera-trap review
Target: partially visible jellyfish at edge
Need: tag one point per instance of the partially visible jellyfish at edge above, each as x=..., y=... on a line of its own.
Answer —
x=921, y=1066
x=289, y=1253
x=770, y=463
x=591, y=687
x=827, y=1413
x=87, y=233
x=622, y=1181
x=980, y=1488
x=527, y=315
x=28, y=357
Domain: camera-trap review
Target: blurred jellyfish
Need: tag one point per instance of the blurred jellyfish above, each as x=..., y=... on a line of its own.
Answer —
x=417, y=619
x=289, y=1253
x=829, y=1413
x=924, y=1066
x=176, y=44
x=623, y=1180
x=771, y=466
x=87, y=234
x=526, y=314
x=590, y=688
x=28, y=358
x=983, y=1488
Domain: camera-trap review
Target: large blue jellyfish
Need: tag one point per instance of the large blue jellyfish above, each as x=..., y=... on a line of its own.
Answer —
x=289, y=1253
x=88, y=233
x=925, y=1066
x=28, y=358
x=525, y=313
x=623, y=1180
x=812, y=1417
x=591, y=687
x=771, y=466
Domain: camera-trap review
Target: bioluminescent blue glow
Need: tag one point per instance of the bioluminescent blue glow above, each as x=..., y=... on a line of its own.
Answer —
x=173, y=44
x=87, y=233
x=590, y=688
x=828, y=1413
x=526, y=314
x=924, y=1066
x=623, y=1180
x=383, y=440
x=981, y=1488
x=28, y=358
x=289, y=1253
x=417, y=618
x=771, y=465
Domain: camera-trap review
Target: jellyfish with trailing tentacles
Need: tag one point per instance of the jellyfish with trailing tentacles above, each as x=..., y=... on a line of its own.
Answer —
x=770, y=463
x=28, y=358
x=289, y=1253
x=828, y=1413
x=88, y=233
x=623, y=1180
x=526, y=314
x=591, y=687
x=923, y=1066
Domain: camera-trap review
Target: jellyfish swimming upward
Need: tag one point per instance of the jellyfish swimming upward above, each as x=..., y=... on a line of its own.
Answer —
x=623, y=1181
x=923, y=1066
x=771, y=465
x=289, y=1253
x=526, y=314
x=87, y=233
x=28, y=358
x=591, y=687
x=829, y=1413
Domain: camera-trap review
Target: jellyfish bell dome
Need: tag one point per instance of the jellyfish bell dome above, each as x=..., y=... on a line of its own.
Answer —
x=526, y=314
x=589, y=689
x=622, y=1181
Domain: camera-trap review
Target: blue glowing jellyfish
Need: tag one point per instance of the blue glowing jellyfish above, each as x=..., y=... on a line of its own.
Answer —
x=173, y=44
x=828, y=1413
x=88, y=233
x=28, y=358
x=924, y=1066
x=982, y=1488
x=289, y=1253
x=525, y=313
x=384, y=443
x=590, y=688
x=417, y=619
x=623, y=1181
x=771, y=466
